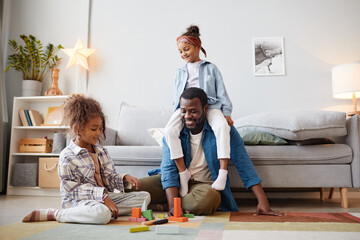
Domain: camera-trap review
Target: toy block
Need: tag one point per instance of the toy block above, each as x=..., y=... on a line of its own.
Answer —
x=141, y=228
x=167, y=229
x=177, y=207
x=161, y=216
x=178, y=219
x=188, y=215
x=132, y=219
x=161, y=221
x=148, y=214
x=136, y=212
x=141, y=219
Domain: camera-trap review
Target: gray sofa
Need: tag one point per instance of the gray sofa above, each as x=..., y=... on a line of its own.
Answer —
x=135, y=151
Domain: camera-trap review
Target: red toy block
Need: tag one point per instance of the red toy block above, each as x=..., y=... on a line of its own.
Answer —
x=178, y=219
x=177, y=207
x=132, y=219
x=136, y=212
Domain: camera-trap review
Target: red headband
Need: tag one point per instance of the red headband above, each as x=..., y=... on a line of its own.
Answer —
x=191, y=40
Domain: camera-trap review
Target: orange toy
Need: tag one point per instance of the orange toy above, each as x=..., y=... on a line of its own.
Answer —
x=177, y=212
x=136, y=212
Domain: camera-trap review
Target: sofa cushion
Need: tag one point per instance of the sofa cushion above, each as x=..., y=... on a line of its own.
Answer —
x=298, y=125
x=133, y=123
x=135, y=155
x=254, y=137
x=309, y=154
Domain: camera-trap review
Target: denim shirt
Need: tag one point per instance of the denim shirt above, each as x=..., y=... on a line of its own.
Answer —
x=170, y=175
x=211, y=81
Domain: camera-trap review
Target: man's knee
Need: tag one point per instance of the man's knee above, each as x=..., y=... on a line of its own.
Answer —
x=202, y=200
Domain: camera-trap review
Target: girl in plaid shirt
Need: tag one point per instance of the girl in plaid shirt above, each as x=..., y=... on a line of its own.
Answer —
x=87, y=173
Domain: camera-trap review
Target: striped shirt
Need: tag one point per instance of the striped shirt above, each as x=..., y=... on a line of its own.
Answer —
x=76, y=171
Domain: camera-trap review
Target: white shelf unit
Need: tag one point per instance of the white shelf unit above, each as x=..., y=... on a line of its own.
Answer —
x=41, y=104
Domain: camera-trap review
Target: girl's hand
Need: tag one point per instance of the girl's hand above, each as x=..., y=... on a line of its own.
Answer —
x=229, y=120
x=112, y=206
x=133, y=181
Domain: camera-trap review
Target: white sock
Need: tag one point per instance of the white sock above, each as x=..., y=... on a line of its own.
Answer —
x=220, y=182
x=184, y=179
x=41, y=215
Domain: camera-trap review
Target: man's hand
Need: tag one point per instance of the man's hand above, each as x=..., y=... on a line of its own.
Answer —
x=133, y=181
x=264, y=209
x=112, y=206
x=229, y=120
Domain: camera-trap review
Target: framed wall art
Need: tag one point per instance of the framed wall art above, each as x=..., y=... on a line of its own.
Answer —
x=268, y=56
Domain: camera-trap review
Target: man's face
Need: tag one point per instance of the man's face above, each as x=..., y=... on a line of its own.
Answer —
x=193, y=114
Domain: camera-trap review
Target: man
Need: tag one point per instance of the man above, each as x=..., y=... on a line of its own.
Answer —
x=200, y=156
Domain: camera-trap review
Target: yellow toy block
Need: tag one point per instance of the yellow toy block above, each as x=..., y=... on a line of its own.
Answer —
x=141, y=228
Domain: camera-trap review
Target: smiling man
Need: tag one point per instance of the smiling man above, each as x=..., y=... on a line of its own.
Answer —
x=200, y=156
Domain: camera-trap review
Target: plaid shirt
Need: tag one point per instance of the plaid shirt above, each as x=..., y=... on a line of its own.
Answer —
x=76, y=171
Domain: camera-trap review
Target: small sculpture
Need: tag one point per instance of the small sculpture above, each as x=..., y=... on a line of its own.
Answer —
x=54, y=88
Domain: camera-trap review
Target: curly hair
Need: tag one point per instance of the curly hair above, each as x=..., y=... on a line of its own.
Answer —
x=193, y=31
x=194, y=92
x=79, y=110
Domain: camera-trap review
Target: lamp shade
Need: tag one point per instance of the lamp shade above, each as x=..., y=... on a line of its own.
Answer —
x=346, y=81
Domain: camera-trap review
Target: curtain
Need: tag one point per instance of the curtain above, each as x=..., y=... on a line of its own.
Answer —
x=4, y=23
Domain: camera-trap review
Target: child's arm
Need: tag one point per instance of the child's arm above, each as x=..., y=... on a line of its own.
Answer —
x=222, y=95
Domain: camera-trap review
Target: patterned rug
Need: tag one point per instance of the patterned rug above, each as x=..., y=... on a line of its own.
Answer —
x=221, y=225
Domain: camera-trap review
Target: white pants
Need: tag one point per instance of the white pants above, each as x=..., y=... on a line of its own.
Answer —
x=94, y=212
x=218, y=124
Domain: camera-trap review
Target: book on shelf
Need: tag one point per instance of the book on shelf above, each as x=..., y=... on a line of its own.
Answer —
x=35, y=118
x=23, y=117
x=28, y=117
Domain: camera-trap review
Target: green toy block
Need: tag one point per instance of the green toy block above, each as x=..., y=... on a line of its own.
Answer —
x=161, y=216
x=141, y=228
x=188, y=215
x=148, y=214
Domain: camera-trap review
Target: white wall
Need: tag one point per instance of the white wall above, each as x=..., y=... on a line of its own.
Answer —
x=136, y=55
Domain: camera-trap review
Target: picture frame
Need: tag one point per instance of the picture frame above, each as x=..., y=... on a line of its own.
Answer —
x=54, y=116
x=268, y=56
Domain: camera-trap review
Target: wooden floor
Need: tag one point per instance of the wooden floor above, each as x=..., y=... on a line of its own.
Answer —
x=13, y=208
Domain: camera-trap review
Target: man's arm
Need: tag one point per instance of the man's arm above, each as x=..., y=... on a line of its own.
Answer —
x=263, y=207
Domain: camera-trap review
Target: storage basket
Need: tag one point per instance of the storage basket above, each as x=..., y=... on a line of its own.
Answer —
x=48, y=173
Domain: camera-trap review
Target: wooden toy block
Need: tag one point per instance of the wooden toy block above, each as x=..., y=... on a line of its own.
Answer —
x=177, y=207
x=141, y=228
x=161, y=216
x=189, y=215
x=155, y=222
x=167, y=229
x=148, y=214
x=132, y=219
x=136, y=212
x=141, y=219
x=178, y=219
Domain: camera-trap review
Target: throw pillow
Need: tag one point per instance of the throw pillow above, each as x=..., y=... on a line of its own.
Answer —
x=254, y=137
x=157, y=134
x=296, y=126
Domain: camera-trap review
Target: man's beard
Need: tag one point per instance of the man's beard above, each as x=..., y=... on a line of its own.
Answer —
x=199, y=123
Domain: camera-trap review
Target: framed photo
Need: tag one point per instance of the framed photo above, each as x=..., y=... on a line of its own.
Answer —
x=268, y=56
x=54, y=116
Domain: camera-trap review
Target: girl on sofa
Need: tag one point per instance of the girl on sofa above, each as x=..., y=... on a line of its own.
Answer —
x=205, y=75
x=87, y=173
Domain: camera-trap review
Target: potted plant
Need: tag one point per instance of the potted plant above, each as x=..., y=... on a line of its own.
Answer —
x=33, y=62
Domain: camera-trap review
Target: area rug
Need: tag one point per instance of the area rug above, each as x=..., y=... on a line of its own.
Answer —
x=220, y=225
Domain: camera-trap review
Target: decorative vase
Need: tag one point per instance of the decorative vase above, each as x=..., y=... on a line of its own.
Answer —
x=31, y=88
x=54, y=87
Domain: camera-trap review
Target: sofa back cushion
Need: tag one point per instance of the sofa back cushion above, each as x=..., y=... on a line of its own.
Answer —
x=133, y=123
x=299, y=125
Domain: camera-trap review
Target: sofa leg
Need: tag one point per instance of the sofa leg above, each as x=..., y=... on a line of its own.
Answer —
x=344, y=197
x=331, y=193
x=322, y=198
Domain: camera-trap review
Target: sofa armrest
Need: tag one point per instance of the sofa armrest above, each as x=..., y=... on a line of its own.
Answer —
x=353, y=140
x=110, y=137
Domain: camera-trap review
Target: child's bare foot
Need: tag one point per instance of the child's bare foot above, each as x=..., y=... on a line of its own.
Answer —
x=220, y=182
x=41, y=215
x=184, y=179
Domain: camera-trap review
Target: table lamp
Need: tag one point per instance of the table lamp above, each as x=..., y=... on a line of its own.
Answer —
x=346, y=83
